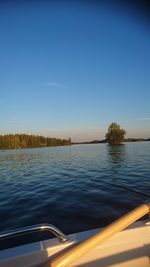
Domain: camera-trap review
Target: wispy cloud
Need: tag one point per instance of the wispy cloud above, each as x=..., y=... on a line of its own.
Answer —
x=53, y=84
x=144, y=119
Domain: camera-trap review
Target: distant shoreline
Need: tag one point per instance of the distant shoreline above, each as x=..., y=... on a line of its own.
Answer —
x=21, y=148
x=76, y=143
x=54, y=142
x=127, y=140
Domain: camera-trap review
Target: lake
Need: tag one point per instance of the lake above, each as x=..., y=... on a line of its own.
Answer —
x=75, y=187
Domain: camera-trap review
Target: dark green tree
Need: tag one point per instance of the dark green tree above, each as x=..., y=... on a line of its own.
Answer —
x=115, y=135
x=14, y=141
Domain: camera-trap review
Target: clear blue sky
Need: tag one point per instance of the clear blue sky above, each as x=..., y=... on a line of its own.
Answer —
x=69, y=70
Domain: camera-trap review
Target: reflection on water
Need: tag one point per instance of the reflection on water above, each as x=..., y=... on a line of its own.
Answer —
x=74, y=188
x=116, y=156
x=117, y=153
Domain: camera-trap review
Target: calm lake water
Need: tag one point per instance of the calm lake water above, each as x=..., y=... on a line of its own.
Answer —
x=74, y=187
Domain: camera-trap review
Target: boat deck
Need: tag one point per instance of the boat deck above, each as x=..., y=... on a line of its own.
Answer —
x=128, y=248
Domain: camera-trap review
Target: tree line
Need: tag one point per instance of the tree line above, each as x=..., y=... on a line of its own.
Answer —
x=15, y=141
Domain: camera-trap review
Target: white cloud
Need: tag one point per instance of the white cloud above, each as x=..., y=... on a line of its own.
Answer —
x=53, y=84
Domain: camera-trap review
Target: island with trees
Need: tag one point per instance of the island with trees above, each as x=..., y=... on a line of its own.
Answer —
x=115, y=135
x=16, y=141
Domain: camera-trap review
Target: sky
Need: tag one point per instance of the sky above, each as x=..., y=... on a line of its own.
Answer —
x=69, y=69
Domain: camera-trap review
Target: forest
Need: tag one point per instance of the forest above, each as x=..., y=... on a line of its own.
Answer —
x=16, y=141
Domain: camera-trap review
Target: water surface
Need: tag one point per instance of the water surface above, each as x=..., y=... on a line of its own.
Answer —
x=74, y=187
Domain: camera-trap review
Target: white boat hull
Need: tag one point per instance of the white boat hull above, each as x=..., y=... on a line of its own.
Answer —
x=128, y=248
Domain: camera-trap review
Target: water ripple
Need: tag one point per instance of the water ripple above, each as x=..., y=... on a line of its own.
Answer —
x=75, y=188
